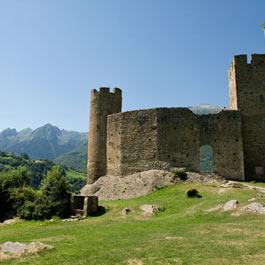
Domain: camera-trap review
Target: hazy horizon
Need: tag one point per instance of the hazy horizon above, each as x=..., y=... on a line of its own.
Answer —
x=160, y=53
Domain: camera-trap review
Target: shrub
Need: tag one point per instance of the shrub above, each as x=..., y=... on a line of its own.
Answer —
x=193, y=193
x=13, y=179
x=55, y=194
x=180, y=174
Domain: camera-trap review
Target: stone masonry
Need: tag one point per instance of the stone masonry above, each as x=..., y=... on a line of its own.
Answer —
x=230, y=143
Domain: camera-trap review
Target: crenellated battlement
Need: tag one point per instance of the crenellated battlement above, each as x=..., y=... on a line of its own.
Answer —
x=106, y=90
x=242, y=60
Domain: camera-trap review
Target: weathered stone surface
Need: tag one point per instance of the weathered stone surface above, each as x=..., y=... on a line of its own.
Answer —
x=131, y=186
x=163, y=138
x=10, y=250
x=254, y=207
x=85, y=205
x=149, y=209
x=11, y=221
x=230, y=205
x=205, y=178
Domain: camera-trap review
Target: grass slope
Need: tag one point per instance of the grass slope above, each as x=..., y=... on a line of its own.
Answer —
x=182, y=234
x=39, y=169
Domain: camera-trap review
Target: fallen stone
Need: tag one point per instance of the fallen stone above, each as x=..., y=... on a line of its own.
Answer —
x=254, y=207
x=11, y=221
x=70, y=220
x=130, y=186
x=230, y=205
x=9, y=250
x=150, y=209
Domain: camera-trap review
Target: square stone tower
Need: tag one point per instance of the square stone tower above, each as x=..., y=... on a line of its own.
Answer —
x=247, y=94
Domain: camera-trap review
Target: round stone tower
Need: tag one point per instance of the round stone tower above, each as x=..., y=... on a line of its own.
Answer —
x=102, y=104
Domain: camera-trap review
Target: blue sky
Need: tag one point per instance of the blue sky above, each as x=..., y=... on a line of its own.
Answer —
x=160, y=52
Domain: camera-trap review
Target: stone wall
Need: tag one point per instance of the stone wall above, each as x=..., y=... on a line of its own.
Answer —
x=247, y=94
x=163, y=138
x=102, y=103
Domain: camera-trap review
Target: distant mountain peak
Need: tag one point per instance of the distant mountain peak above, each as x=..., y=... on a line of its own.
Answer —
x=205, y=108
x=9, y=132
x=45, y=142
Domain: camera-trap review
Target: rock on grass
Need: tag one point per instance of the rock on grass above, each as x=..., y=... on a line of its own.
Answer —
x=11, y=250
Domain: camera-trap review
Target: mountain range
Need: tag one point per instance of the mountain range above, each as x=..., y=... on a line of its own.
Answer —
x=48, y=142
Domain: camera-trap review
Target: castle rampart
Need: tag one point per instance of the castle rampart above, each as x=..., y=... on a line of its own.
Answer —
x=163, y=138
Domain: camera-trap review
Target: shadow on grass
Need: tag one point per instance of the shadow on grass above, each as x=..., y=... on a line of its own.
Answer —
x=101, y=211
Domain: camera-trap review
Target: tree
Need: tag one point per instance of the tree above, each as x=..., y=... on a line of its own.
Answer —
x=9, y=181
x=56, y=197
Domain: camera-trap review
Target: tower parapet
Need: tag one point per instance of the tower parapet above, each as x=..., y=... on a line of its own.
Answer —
x=102, y=104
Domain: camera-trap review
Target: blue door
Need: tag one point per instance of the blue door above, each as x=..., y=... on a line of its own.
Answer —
x=206, y=159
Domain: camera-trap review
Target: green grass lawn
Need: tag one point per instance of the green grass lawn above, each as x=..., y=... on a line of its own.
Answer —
x=182, y=234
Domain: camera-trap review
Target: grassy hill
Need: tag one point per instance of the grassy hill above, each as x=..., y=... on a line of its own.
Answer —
x=38, y=169
x=76, y=159
x=181, y=234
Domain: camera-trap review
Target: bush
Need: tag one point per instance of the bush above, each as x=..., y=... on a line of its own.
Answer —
x=13, y=179
x=25, y=201
x=180, y=174
x=192, y=193
x=56, y=197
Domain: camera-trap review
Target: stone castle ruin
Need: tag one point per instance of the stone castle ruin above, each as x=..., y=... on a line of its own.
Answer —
x=230, y=143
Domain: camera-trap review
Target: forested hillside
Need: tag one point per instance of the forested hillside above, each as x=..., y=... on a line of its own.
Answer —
x=48, y=142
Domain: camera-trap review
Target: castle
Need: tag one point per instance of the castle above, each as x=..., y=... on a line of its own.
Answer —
x=230, y=143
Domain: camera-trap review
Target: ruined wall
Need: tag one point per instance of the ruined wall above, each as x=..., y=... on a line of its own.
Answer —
x=102, y=103
x=171, y=137
x=247, y=94
x=223, y=132
x=178, y=137
x=133, y=147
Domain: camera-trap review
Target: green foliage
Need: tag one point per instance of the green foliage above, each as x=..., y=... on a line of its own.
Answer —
x=76, y=180
x=38, y=168
x=15, y=178
x=25, y=202
x=56, y=197
x=53, y=198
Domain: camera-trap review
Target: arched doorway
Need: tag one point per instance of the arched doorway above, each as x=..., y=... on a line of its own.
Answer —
x=206, y=159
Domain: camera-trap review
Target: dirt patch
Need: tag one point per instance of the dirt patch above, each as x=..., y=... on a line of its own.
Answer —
x=135, y=262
